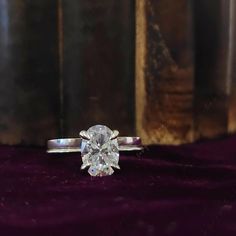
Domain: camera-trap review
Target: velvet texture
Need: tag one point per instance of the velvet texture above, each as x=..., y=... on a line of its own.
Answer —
x=188, y=190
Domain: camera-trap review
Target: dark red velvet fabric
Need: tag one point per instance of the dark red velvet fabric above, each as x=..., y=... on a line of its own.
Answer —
x=188, y=190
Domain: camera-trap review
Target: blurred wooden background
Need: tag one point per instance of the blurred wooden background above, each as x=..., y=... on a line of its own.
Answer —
x=161, y=69
x=185, y=63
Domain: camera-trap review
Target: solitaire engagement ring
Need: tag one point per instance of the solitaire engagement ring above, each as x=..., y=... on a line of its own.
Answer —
x=99, y=147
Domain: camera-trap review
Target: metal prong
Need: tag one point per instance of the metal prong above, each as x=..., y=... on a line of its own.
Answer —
x=83, y=134
x=84, y=165
x=114, y=134
x=115, y=166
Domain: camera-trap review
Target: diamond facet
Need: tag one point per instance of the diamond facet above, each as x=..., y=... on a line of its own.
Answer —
x=100, y=153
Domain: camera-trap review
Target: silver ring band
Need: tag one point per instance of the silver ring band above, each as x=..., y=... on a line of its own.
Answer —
x=67, y=145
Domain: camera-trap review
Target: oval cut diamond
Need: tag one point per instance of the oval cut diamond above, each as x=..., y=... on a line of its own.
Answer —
x=100, y=152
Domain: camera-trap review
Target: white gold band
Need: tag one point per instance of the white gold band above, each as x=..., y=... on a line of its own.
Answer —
x=67, y=145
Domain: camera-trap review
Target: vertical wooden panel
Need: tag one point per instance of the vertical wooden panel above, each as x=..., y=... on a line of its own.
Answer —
x=211, y=98
x=164, y=71
x=28, y=71
x=231, y=66
x=98, y=64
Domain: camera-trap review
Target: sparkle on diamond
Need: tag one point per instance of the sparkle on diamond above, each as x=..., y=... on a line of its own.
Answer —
x=100, y=153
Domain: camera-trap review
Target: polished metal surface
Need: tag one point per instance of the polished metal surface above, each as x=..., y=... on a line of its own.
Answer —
x=67, y=145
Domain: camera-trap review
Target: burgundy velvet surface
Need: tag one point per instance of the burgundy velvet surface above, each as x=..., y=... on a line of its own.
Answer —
x=186, y=190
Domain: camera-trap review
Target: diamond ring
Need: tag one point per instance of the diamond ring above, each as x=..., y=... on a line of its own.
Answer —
x=99, y=147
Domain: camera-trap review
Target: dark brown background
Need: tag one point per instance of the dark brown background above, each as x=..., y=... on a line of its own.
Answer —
x=66, y=65
x=29, y=71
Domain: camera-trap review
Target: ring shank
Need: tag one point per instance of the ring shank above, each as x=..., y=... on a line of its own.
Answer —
x=66, y=145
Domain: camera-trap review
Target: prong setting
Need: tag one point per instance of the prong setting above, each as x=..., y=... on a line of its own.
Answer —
x=101, y=152
x=114, y=134
x=84, y=165
x=83, y=134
